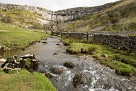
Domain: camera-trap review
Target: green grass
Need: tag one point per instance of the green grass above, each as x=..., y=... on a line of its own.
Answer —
x=77, y=48
x=24, y=81
x=125, y=59
x=67, y=41
x=120, y=67
x=123, y=62
x=15, y=37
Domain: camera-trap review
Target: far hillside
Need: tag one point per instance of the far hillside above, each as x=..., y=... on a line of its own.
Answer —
x=120, y=16
x=24, y=16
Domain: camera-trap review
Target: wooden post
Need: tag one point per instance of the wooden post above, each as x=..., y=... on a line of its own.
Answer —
x=87, y=35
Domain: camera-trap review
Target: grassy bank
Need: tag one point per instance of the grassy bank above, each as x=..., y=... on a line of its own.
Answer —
x=123, y=62
x=15, y=37
x=68, y=41
x=24, y=81
x=76, y=48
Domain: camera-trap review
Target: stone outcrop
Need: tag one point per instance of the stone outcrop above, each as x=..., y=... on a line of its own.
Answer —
x=27, y=61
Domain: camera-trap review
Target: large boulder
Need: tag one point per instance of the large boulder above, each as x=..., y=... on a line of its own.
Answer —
x=48, y=75
x=29, y=62
x=79, y=79
x=11, y=61
x=10, y=64
x=56, y=69
x=69, y=65
x=3, y=60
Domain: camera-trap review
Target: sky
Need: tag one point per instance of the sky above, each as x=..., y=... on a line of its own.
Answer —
x=58, y=4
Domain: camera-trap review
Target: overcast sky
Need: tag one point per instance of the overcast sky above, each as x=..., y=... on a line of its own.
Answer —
x=58, y=4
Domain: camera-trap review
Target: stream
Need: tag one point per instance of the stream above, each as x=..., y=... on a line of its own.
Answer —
x=95, y=77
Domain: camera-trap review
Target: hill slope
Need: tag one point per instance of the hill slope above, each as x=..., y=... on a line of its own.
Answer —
x=80, y=12
x=24, y=16
x=119, y=17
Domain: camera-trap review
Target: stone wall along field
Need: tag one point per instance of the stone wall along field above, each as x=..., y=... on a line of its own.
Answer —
x=123, y=42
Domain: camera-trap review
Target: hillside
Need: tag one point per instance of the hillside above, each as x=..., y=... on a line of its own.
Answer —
x=119, y=17
x=80, y=12
x=24, y=16
x=116, y=16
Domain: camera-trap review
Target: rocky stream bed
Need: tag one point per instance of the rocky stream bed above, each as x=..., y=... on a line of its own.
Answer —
x=82, y=73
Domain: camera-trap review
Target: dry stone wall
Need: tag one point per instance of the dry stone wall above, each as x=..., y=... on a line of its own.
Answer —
x=123, y=42
x=116, y=41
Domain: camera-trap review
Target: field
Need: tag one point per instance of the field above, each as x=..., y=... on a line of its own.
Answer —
x=15, y=37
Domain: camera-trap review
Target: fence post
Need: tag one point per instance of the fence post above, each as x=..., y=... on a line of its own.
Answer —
x=87, y=35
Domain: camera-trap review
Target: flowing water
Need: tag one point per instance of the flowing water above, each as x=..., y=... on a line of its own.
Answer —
x=95, y=77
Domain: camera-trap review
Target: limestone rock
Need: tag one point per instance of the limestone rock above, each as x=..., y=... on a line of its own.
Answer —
x=44, y=42
x=28, y=56
x=3, y=60
x=29, y=62
x=69, y=65
x=57, y=69
x=77, y=80
x=48, y=75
